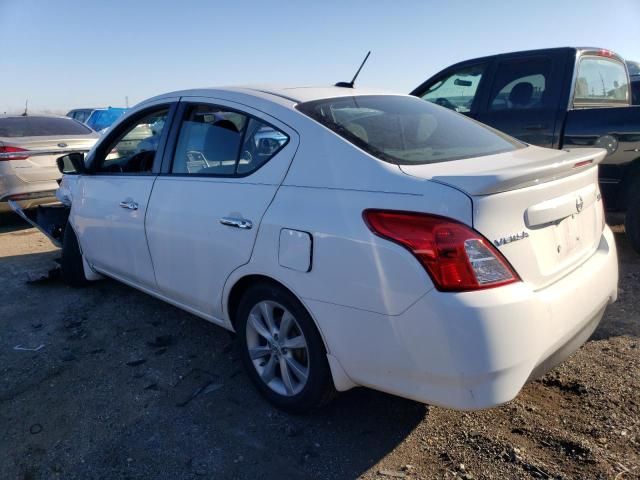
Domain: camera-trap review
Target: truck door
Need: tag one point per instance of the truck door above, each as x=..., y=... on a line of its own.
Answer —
x=523, y=98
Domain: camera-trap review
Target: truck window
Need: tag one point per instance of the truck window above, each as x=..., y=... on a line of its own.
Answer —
x=600, y=81
x=456, y=90
x=520, y=84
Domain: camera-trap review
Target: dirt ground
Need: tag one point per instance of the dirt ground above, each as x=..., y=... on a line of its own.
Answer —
x=120, y=385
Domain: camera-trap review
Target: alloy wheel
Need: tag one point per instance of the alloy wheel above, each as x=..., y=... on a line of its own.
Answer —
x=277, y=347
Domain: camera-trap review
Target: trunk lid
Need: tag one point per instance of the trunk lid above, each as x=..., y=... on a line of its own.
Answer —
x=540, y=208
x=41, y=166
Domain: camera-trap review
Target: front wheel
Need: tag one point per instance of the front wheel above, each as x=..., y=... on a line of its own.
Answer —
x=632, y=217
x=71, y=265
x=282, y=350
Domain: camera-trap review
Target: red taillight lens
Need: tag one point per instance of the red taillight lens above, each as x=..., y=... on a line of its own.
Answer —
x=8, y=152
x=456, y=257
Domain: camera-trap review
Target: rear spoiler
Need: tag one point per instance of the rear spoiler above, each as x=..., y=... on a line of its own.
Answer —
x=530, y=174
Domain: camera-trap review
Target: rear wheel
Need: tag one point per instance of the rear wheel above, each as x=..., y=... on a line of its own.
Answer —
x=282, y=350
x=632, y=217
x=72, y=266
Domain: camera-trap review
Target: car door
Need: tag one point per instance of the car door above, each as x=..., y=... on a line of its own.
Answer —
x=458, y=88
x=223, y=166
x=110, y=203
x=523, y=98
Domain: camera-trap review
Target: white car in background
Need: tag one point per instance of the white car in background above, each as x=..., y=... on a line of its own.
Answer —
x=378, y=240
x=29, y=147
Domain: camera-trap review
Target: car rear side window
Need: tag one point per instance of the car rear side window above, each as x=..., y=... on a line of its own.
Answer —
x=521, y=84
x=221, y=142
x=601, y=81
x=406, y=130
x=40, y=127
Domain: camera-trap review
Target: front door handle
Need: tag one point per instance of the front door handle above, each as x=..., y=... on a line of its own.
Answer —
x=236, y=222
x=536, y=126
x=130, y=204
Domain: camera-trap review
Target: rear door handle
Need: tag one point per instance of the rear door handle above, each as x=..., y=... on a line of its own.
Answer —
x=130, y=204
x=236, y=222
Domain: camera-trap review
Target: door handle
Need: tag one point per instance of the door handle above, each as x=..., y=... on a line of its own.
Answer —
x=236, y=222
x=536, y=126
x=130, y=204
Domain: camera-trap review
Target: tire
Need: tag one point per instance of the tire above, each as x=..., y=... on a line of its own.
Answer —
x=71, y=266
x=632, y=217
x=273, y=362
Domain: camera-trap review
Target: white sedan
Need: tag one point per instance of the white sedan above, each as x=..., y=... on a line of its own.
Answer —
x=350, y=238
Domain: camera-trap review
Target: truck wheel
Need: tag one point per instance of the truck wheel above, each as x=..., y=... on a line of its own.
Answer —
x=71, y=266
x=282, y=350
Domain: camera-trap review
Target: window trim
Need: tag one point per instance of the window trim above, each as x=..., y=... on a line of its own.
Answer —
x=122, y=125
x=172, y=142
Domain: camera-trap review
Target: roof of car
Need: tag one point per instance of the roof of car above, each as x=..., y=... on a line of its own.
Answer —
x=541, y=51
x=280, y=94
x=37, y=115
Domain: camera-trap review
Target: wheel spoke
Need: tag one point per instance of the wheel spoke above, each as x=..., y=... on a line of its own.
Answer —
x=285, y=324
x=295, y=342
x=269, y=370
x=298, y=370
x=267, y=316
x=259, y=352
x=259, y=327
x=286, y=376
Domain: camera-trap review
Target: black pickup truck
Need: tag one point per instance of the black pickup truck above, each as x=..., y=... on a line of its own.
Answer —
x=556, y=98
x=634, y=75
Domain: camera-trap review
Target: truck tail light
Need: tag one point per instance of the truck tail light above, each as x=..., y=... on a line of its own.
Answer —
x=7, y=152
x=456, y=257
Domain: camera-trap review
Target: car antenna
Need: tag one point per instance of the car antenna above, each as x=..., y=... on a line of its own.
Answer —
x=350, y=84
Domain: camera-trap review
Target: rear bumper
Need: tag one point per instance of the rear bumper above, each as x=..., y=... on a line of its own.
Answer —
x=27, y=200
x=472, y=350
x=28, y=194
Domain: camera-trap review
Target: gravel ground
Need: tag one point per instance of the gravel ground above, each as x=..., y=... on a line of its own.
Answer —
x=125, y=386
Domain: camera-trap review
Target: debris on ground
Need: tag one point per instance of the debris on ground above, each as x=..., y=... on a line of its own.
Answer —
x=37, y=278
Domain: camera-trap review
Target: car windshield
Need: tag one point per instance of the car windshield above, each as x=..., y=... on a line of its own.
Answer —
x=407, y=130
x=101, y=119
x=29, y=126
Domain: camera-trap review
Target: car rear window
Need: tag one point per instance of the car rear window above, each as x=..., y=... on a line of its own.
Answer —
x=406, y=130
x=601, y=81
x=40, y=127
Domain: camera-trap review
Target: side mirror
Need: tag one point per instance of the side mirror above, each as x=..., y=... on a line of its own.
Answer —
x=71, y=164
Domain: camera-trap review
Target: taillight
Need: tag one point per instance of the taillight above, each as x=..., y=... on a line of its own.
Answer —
x=8, y=152
x=456, y=257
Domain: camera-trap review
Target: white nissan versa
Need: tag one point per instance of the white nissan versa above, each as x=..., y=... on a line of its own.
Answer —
x=349, y=237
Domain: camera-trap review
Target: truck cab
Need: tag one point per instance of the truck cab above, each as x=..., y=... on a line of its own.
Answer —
x=556, y=98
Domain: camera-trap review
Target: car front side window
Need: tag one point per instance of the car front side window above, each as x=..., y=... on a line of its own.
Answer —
x=134, y=150
x=456, y=90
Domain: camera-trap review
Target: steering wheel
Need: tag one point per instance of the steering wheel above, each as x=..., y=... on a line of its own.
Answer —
x=443, y=102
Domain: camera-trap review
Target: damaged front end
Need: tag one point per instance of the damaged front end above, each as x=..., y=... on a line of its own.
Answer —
x=50, y=219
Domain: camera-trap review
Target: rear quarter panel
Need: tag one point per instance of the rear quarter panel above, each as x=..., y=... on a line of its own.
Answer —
x=329, y=185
